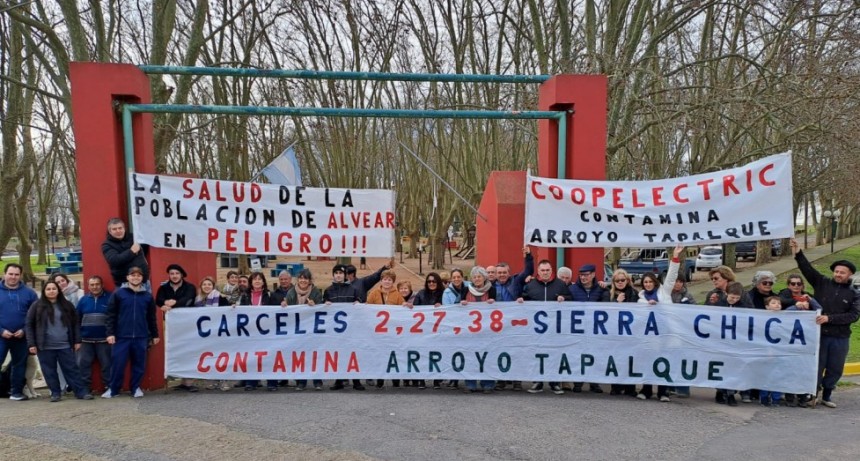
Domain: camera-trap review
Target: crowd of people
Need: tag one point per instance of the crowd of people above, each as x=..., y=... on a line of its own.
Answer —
x=70, y=330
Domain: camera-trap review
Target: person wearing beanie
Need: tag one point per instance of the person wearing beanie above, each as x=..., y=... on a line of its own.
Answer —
x=176, y=293
x=341, y=291
x=840, y=304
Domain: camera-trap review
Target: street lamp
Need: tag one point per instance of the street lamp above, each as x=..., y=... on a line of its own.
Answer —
x=833, y=216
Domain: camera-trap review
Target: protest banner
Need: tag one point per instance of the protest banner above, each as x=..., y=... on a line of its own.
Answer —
x=233, y=217
x=752, y=202
x=593, y=342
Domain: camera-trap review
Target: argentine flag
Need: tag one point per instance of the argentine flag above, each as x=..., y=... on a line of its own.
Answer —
x=284, y=169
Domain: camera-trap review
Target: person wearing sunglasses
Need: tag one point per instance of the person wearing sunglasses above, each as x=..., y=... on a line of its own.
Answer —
x=622, y=291
x=795, y=296
x=762, y=289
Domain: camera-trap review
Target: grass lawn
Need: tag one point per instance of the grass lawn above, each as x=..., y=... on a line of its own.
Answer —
x=823, y=265
x=38, y=269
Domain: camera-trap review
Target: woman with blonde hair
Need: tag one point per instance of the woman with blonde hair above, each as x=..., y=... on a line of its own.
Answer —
x=622, y=291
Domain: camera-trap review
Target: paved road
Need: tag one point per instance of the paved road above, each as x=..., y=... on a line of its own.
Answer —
x=410, y=424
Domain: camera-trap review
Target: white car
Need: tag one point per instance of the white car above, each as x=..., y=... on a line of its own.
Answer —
x=709, y=258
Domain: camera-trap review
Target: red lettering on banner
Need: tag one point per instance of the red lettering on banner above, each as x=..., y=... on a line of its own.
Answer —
x=314, y=361
x=596, y=194
x=729, y=184
x=186, y=187
x=705, y=183
x=248, y=247
x=761, y=178
x=260, y=355
x=218, y=196
x=298, y=362
x=204, y=192
x=556, y=192
x=211, y=236
x=230, y=243
x=616, y=197
x=200, y=367
x=657, y=195
x=331, y=362
x=636, y=202
x=279, y=363
x=535, y=185
x=353, y=363
x=241, y=362
x=676, y=193
x=360, y=220
x=577, y=196
x=304, y=243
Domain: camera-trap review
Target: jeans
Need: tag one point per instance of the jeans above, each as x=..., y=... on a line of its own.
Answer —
x=485, y=384
x=773, y=396
x=253, y=383
x=49, y=359
x=126, y=349
x=86, y=355
x=19, y=351
x=831, y=361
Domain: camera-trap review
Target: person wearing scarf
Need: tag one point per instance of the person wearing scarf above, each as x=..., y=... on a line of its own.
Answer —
x=303, y=292
x=209, y=296
x=480, y=290
x=71, y=291
x=652, y=293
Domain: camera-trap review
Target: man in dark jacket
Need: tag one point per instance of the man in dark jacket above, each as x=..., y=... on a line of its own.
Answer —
x=840, y=304
x=585, y=289
x=131, y=328
x=177, y=293
x=342, y=291
x=15, y=299
x=545, y=288
x=92, y=315
x=365, y=284
x=122, y=253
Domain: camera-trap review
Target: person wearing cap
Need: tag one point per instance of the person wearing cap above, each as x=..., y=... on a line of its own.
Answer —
x=840, y=304
x=176, y=293
x=585, y=289
x=342, y=291
x=131, y=328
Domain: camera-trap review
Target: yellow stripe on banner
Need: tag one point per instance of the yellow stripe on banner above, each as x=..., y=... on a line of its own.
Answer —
x=852, y=369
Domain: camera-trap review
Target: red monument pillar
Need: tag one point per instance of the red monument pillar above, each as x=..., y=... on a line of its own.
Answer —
x=500, y=238
x=101, y=174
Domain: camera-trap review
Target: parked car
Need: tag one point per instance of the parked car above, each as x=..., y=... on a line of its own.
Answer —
x=710, y=257
x=654, y=260
x=745, y=250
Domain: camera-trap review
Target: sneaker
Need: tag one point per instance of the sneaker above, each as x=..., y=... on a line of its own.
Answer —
x=518, y=386
x=55, y=397
x=437, y=387
x=85, y=397
x=138, y=393
x=641, y=396
x=556, y=389
x=596, y=389
x=18, y=397
x=720, y=397
x=488, y=391
x=272, y=388
x=731, y=401
x=337, y=386
x=300, y=387
x=665, y=398
x=211, y=387
x=828, y=404
x=500, y=386
x=225, y=387
x=536, y=388
x=193, y=389
x=577, y=389
x=746, y=399
x=317, y=387
x=107, y=394
x=422, y=386
x=358, y=387
x=249, y=388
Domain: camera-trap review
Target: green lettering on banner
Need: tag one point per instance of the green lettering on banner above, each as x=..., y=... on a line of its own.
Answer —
x=664, y=372
x=564, y=365
x=411, y=361
x=630, y=371
x=585, y=360
x=611, y=369
x=691, y=375
x=435, y=358
x=458, y=356
x=392, y=363
x=504, y=362
x=541, y=357
x=713, y=370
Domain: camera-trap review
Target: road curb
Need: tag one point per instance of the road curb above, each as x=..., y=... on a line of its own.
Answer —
x=852, y=369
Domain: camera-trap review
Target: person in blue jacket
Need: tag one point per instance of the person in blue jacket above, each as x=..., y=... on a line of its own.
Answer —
x=92, y=315
x=509, y=288
x=15, y=299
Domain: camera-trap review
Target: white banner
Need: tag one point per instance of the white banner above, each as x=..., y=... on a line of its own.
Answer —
x=593, y=342
x=250, y=218
x=752, y=202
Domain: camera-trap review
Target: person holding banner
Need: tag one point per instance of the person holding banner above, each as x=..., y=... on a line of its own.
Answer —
x=386, y=294
x=364, y=284
x=545, y=287
x=586, y=290
x=480, y=290
x=122, y=253
x=177, y=293
x=258, y=295
x=285, y=284
x=721, y=276
x=405, y=289
x=652, y=293
x=840, y=304
x=509, y=288
x=622, y=291
x=305, y=293
x=209, y=296
x=231, y=289
x=341, y=291
x=456, y=289
x=131, y=329
x=431, y=294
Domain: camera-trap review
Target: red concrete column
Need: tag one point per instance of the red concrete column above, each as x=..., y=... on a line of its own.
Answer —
x=501, y=237
x=101, y=175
